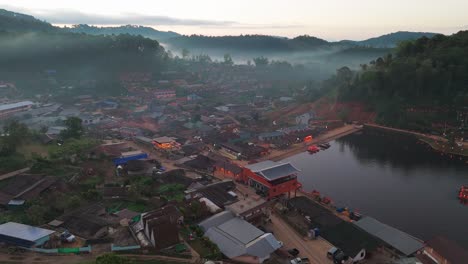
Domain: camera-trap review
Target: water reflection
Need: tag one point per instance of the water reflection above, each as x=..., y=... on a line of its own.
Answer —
x=393, y=178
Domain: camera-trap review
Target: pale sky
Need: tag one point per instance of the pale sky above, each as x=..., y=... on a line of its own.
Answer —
x=328, y=19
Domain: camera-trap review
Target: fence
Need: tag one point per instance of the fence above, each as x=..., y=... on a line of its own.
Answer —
x=124, y=248
x=61, y=250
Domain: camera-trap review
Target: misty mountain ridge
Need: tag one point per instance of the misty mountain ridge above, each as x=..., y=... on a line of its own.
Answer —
x=12, y=21
x=147, y=32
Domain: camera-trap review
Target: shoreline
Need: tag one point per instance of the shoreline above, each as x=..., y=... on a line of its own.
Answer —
x=438, y=143
x=330, y=135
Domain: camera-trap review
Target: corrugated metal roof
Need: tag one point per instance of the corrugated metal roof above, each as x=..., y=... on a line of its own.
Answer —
x=25, y=232
x=272, y=170
x=15, y=105
x=399, y=240
x=240, y=230
x=236, y=237
x=278, y=171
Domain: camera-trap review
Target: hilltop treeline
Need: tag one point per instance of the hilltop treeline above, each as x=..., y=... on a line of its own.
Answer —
x=29, y=51
x=248, y=42
x=429, y=73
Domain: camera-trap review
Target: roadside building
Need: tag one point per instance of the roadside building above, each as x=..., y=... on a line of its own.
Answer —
x=165, y=143
x=239, y=240
x=228, y=169
x=403, y=243
x=24, y=235
x=271, y=136
x=441, y=250
x=271, y=179
x=9, y=109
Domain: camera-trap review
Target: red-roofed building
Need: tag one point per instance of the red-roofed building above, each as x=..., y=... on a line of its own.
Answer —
x=271, y=179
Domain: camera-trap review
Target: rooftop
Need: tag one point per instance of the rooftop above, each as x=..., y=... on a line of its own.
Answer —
x=236, y=237
x=272, y=170
x=15, y=105
x=399, y=240
x=162, y=140
x=25, y=232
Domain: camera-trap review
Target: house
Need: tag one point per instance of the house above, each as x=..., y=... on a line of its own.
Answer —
x=305, y=118
x=239, y=240
x=164, y=94
x=219, y=193
x=251, y=208
x=271, y=136
x=272, y=179
x=24, y=187
x=193, y=97
x=441, y=250
x=24, y=235
x=9, y=109
x=294, y=129
x=228, y=169
x=403, y=243
x=165, y=143
x=160, y=227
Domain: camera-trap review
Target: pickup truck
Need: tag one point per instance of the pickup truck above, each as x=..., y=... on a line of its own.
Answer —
x=299, y=261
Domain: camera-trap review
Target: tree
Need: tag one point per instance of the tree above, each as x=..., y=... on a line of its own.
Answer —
x=14, y=134
x=228, y=60
x=111, y=258
x=74, y=128
x=185, y=54
x=260, y=61
x=36, y=214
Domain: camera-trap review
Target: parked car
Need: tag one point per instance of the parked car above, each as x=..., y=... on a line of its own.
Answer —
x=67, y=237
x=299, y=261
x=294, y=252
x=338, y=256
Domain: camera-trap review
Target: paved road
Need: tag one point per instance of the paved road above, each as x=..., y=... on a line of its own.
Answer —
x=315, y=250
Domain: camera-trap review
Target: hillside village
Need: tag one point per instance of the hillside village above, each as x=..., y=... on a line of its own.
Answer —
x=185, y=166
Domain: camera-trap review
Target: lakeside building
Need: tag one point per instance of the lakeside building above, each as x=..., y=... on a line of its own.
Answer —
x=272, y=179
x=9, y=109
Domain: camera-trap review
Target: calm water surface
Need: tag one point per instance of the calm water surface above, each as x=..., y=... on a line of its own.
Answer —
x=392, y=178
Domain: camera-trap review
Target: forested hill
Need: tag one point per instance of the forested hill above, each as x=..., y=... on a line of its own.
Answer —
x=29, y=44
x=389, y=40
x=147, y=32
x=11, y=21
x=428, y=73
x=248, y=43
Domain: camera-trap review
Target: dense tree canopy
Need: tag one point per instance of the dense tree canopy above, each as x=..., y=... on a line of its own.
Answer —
x=425, y=73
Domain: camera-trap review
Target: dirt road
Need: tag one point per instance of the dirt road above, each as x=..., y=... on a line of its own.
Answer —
x=315, y=250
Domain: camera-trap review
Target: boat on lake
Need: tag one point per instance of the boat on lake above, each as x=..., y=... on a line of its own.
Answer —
x=313, y=149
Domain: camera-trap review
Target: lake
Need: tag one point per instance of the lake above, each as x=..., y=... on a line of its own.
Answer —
x=393, y=178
